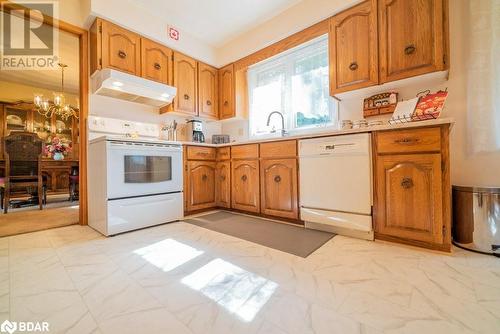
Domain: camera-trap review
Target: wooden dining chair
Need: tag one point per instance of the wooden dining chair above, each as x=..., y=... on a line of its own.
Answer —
x=23, y=159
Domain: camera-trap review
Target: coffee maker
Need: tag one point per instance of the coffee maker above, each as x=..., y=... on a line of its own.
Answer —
x=195, y=131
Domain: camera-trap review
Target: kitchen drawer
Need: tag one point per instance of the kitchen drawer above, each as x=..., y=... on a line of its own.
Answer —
x=250, y=151
x=200, y=153
x=280, y=149
x=407, y=141
x=223, y=153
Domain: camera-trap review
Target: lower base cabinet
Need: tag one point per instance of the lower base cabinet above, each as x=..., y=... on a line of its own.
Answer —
x=223, y=184
x=201, y=185
x=278, y=182
x=245, y=185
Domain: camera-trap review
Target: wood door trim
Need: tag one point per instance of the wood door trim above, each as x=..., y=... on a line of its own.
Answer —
x=83, y=37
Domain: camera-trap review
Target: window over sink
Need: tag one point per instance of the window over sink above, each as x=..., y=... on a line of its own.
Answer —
x=296, y=84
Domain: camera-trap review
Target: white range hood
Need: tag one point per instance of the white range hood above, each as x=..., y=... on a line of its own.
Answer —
x=132, y=88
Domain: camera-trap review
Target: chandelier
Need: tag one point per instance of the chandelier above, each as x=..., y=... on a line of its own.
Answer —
x=59, y=107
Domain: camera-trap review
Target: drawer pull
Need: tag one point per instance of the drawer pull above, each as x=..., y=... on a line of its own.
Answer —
x=353, y=66
x=202, y=153
x=244, y=178
x=277, y=179
x=407, y=183
x=407, y=141
x=204, y=177
x=122, y=54
x=410, y=49
x=157, y=66
x=186, y=97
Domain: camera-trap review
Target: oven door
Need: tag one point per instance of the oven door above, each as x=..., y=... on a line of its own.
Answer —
x=139, y=169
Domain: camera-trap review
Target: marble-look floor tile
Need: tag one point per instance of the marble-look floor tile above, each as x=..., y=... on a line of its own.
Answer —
x=180, y=278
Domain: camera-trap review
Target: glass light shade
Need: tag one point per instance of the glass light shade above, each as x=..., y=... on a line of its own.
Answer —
x=58, y=100
x=45, y=104
x=38, y=100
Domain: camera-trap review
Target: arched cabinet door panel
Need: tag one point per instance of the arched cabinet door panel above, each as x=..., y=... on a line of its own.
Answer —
x=121, y=49
x=245, y=185
x=207, y=91
x=409, y=197
x=201, y=185
x=223, y=184
x=185, y=79
x=279, y=188
x=156, y=62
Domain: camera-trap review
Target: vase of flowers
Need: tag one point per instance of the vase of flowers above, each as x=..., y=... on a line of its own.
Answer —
x=57, y=149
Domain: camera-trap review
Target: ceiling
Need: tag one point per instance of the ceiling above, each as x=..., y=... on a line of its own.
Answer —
x=227, y=18
x=51, y=79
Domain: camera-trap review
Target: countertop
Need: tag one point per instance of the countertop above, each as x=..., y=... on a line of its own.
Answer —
x=313, y=134
x=331, y=132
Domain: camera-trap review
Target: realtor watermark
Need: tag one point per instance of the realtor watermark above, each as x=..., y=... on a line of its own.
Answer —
x=27, y=40
x=12, y=327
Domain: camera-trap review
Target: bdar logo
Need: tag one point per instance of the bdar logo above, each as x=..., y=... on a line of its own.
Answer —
x=8, y=327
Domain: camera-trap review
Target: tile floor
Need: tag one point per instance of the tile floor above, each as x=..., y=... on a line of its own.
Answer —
x=179, y=278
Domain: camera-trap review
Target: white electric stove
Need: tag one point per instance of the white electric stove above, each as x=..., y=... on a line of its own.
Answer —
x=135, y=180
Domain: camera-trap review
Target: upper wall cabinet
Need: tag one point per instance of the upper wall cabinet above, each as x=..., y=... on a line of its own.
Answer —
x=185, y=79
x=411, y=38
x=207, y=91
x=226, y=92
x=117, y=48
x=353, y=48
x=156, y=62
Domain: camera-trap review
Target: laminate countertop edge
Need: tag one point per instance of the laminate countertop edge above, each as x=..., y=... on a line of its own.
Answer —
x=317, y=134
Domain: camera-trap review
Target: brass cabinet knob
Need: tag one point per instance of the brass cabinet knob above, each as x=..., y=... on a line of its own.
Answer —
x=410, y=49
x=277, y=179
x=204, y=177
x=186, y=97
x=122, y=54
x=223, y=177
x=157, y=66
x=226, y=103
x=406, y=183
x=353, y=66
x=209, y=103
x=244, y=178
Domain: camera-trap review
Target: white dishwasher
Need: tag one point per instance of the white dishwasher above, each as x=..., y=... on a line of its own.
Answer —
x=336, y=184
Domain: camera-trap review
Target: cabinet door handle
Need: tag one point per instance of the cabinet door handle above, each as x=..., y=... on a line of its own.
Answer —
x=204, y=177
x=186, y=97
x=122, y=54
x=406, y=183
x=226, y=103
x=353, y=66
x=223, y=177
x=244, y=178
x=277, y=179
x=209, y=103
x=405, y=141
x=410, y=49
x=157, y=66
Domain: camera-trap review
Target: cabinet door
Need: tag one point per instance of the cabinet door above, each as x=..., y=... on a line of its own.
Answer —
x=185, y=79
x=278, y=182
x=223, y=184
x=201, y=185
x=410, y=38
x=245, y=185
x=121, y=49
x=156, y=62
x=226, y=91
x=353, y=48
x=409, y=197
x=207, y=91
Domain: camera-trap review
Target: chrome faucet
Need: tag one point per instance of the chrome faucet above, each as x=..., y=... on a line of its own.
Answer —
x=283, y=131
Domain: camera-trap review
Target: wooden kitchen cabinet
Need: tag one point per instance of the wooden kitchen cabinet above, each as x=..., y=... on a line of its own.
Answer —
x=115, y=47
x=278, y=182
x=156, y=62
x=201, y=185
x=223, y=184
x=226, y=92
x=207, y=91
x=185, y=79
x=412, y=187
x=411, y=38
x=245, y=185
x=409, y=198
x=354, y=48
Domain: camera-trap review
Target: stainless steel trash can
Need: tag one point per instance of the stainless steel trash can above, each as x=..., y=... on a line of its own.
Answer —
x=476, y=219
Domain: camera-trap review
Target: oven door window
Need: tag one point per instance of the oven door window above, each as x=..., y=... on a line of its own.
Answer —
x=147, y=169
